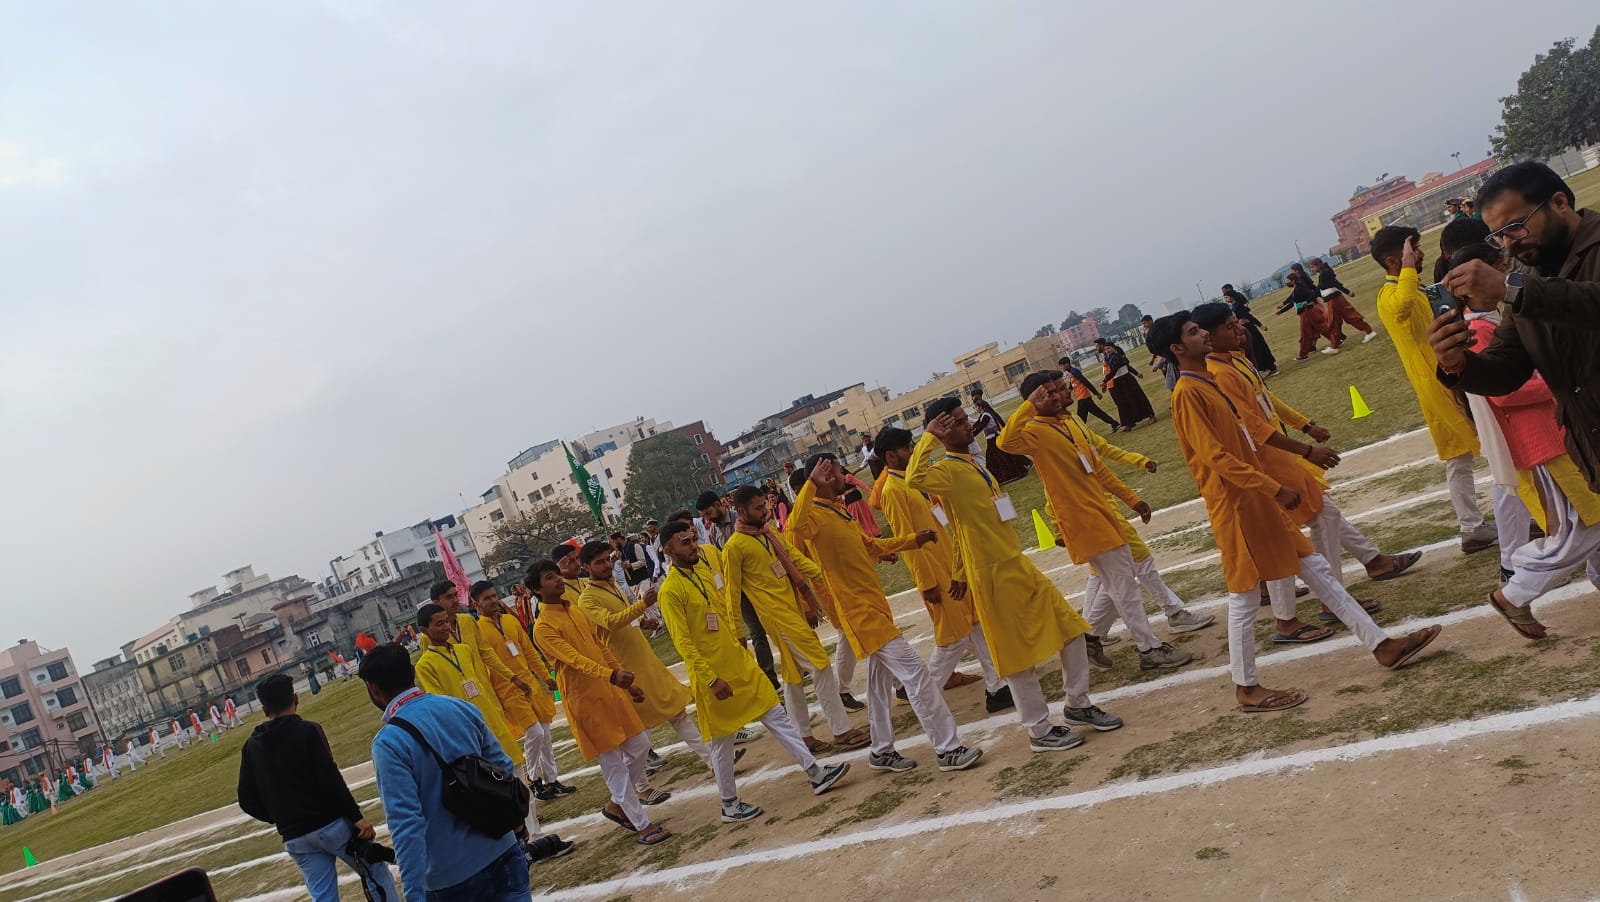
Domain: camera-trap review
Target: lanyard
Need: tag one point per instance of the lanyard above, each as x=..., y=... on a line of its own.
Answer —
x=453, y=658
x=1218, y=389
x=843, y=515
x=987, y=479
x=410, y=695
x=693, y=578
x=902, y=478
x=612, y=588
x=1081, y=446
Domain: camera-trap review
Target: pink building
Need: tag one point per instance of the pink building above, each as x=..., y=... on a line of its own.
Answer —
x=1080, y=336
x=45, y=716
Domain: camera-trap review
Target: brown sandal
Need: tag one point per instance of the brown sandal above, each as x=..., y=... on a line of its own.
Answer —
x=1417, y=641
x=1521, y=619
x=1277, y=701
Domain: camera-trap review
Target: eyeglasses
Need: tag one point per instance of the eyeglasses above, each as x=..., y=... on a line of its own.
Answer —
x=1512, y=230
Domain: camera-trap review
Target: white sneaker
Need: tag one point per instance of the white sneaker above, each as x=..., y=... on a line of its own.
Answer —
x=1369, y=336
x=739, y=812
x=746, y=734
x=1187, y=621
x=1330, y=350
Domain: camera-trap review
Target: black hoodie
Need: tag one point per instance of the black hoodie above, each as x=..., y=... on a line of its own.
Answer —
x=288, y=778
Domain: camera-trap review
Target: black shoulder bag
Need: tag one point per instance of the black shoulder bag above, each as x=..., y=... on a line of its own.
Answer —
x=490, y=800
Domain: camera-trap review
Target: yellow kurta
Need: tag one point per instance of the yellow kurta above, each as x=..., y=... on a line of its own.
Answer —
x=934, y=565
x=1285, y=467
x=748, y=570
x=1075, y=480
x=1024, y=617
x=1256, y=540
x=1116, y=455
x=613, y=618
x=600, y=715
x=445, y=671
x=685, y=599
x=518, y=717
x=848, y=558
x=503, y=636
x=1405, y=313
x=1282, y=417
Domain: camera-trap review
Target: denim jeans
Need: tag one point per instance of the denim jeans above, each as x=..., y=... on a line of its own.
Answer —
x=504, y=880
x=314, y=853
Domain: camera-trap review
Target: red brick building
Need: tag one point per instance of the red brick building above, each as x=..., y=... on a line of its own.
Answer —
x=1351, y=222
x=710, y=451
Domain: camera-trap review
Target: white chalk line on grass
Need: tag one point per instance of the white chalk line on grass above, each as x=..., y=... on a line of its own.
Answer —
x=1442, y=735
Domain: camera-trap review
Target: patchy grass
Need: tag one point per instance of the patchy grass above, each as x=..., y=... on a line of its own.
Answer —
x=1042, y=775
x=1515, y=762
x=879, y=804
x=817, y=810
x=1210, y=853
x=1357, y=689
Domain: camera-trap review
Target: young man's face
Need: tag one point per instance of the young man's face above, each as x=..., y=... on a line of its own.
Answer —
x=1225, y=337
x=450, y=601
x=716, y=513
x=756, y=512
x=440, y=629
x=551, y=585
x=960, y=428
x=600, y=566
x=568, y=564
x=1053, y=397
x=1545, y=238
x=488, y=603
x=683, y=549
x=1195, y=341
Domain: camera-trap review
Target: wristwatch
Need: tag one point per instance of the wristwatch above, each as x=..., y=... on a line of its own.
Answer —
x=1513, y=289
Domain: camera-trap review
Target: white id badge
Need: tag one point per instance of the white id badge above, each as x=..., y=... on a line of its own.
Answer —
x=712, y=622
x=1266, y=406
x=1008, y=511
x=469, y=688
x=1247, y=439
x=940, y=517
x=716, y=580
x=777, y=568
x=512, y=648
x=1084, y=459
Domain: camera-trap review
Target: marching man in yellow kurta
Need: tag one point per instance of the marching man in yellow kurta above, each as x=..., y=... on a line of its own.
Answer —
x=1024, y=617
x=769, y=571
x=498, y=683
x=1077, y=482
x=729, y=688
x=600, y=700
x=1247, y=511
x=848, y=557
x=936, y=568
x=500, y=634
x=1405, y=313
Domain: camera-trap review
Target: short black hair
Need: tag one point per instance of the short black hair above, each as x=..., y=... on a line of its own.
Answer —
x=1389, y=240
x=939, y=406
x=1459, y=233
x=1211, y=315
x=1298, y=267
x=1227, y=287
x=1166, y=332
x=389, y=668
x=745, y=495
x=537, y=570
x=562, y=550
x=1477, y=250
x=797, y=479
x=1147, y=318
x=706, y=500
x=812, y=461
x=426, y=613
x=275, y=693
x=1065, y=361
x=1033, y=380
x=440, y=589
x=892, y=438
x=478, y=588
x=592, y=550
x=975, y=390
x=674, y=527
x=1535, y=181
x=682, y=514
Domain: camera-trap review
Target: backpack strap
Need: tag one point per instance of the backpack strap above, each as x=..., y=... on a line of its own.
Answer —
x=416, y=734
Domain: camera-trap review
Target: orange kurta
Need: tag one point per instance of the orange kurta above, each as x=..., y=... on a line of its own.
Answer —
x=1257, y=541
x=934, y=565
x=503, y=636
x=600, y=715
x=1286, y=467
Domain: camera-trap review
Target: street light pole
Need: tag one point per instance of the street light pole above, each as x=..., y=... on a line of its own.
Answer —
x=1457, y=155
x=1298, y=255
x=1197, y=290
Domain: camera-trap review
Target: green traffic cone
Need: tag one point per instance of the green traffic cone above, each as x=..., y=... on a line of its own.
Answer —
x=28, y=860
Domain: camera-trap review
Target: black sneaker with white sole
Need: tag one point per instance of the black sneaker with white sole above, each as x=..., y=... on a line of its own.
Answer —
x=1092, y=716
x=1059, y=739
x=831, y=774
x=959, y=758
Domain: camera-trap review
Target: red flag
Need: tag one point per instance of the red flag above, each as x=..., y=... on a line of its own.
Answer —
x=453, y=571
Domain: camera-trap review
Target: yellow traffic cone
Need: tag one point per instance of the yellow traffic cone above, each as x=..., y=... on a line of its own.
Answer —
x=1047, y=539
x=1358, y=405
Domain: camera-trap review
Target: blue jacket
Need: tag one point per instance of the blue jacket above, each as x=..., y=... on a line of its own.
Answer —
x=435, y=849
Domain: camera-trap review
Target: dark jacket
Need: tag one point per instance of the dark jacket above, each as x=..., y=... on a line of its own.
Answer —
x=1328, y=279
x=288, y=778
x=1554, y=327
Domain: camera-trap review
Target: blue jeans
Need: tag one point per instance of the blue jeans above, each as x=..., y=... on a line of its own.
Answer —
x=504, y=880
x=314, y=853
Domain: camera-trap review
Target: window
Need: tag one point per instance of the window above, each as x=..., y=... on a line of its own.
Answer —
x=31, y=739
x=10, y=687
x=547, y=490
x=58, y=670
x=704, y=457
x=366, y=555
x=175, y=662
x=312, y=639
x=266, y=656
x=910, y=413
x=616, y=493
x=21, y=714
x=514, y=496
x=699, y=439
x=1016, y=371
x=244, y=668
x=77, y=720
x=433, y=553
x=67, y=697
x=608, y=472
x=33, y=767
x=496, y=516
x=534, y=476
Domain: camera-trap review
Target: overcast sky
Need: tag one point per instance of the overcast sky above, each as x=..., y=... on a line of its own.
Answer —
x=274, y=276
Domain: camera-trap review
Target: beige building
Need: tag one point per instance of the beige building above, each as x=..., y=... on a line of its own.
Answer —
x=995, y=369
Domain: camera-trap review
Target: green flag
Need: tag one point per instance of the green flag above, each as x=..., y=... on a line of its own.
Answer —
x=588, y=485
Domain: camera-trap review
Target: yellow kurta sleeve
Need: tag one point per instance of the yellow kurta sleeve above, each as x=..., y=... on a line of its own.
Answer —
x=1290, y=417
x=469, y=637
x=922, y=473
x=602, y=617
x=1237, y=473
x=1107, y=450
x=674, y=604
x=556, y=646
x=733, y=580
x=807, y=567
x=1015, y=436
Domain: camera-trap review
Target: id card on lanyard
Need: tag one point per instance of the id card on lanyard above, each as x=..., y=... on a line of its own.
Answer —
x=1242, y=430
x=1002, y=501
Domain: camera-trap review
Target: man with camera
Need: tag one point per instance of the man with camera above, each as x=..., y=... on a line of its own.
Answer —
x=288, y=778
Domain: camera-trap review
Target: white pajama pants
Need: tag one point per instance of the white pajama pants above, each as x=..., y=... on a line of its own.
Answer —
x=1032, y=709
x=1117, y=594
x=688, y=729
x=1331, y=533
x=1096, y=605
x=1463, y=494
x=897, y=660
x=946, y=658
x=781, y=727
x=844, y=663
x=539, y=753
x=1511, y=522
x=623, y=769
x=1567, y=545
x=1314, y=572
x=826, y=684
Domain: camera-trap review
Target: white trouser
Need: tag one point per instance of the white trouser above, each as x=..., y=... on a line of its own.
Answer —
x=1511, y=522
x=826, y=684
x=1463, y=494
x=1331, y=532
x=688, y=729
x=945, y=658
x=897, y=660
x=1540, y=566
x=133, y=764
x=623, y=769
x=1150, y=580
x=844, y=663
x=539, y=753
x=1314, y=572
x=1032, y=710
x=782, y=728
x=1101, y=614
x=1118, y=594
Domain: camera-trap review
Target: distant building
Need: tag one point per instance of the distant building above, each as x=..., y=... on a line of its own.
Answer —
x=1080, y=336
x=389, y=554
x=619, y=436
x=213, y=665
x=709, y=449
x=119, y=699
x=1351, y=222
x=995, y=369
x=378, y=611
x=753, y=468
x=1399, y=201
x=46, y=719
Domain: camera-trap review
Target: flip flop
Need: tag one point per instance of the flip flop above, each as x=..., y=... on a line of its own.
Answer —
x=1370, y=605
x=1402, y=563
x=1277, y=701
x=1424, y=637
x=853, y=739
x=1520, y=619
x=1298, y=636
x=659, y=833
x=619, y=820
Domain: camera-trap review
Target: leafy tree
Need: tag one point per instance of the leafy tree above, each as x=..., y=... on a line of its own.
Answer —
x=1045, y=331
x=1129, y=315
x=1100, y=315
x=1072, y=319
x=519, y=541
x=664, y=473
x=1556, y=105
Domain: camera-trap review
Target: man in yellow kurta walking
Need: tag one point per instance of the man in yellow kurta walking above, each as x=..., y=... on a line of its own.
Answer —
x=1247, y=509
x=821, y=522
x=1024, y=617
x=501, y=634
x=769, y=571
x=936, y=568
x=498, y=683
x=600, y=698
x=1077, y=482
x=1406, y=314
x=729, y=688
